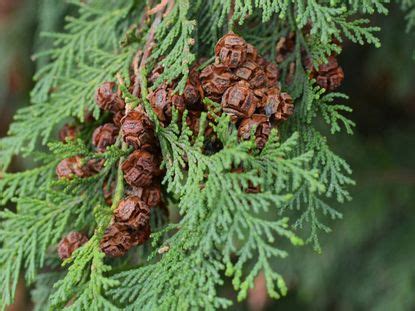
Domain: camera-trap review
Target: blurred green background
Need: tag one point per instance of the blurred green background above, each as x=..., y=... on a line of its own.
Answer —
x=368, y=261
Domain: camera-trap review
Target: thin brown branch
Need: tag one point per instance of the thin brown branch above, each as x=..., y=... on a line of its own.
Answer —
x=159, y=7
x=147, y=50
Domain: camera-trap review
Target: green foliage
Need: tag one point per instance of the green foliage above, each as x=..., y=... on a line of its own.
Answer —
x=41, y=224
x=175, y=43
x=81, y=59
x=85, y=280
x=43, y=289
x=409, y=7
x=224, y=229
x=212, y=228
x=369, y=6
x=26, y=183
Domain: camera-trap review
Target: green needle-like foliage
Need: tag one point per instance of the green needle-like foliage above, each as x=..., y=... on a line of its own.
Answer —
x=222, y=230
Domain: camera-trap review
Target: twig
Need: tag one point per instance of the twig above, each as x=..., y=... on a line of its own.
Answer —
x=159, y=7
x=119, y=188
x=231, y=13
x=150, y=40
x=136, y=61
x=169, y=8
x=144, y=56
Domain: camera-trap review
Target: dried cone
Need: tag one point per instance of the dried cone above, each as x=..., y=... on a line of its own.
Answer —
x=117, y=118
x=286, y=107
x=108, y=98
x=117, y=240
x=216, y=79
x=329, y=76
x=251, y=52
x=239, y=101
x=95, y=165
x=132, y=212
x=67, y=133
x=73, y=166
x=70, y=243
x=193, y=91
x=151, y=195
x=285, y=46
x=137, y=130
x=278, y=106
x=272, y=73
x=163, y=99
x=104, y=136
x=252, y=73
x=263, y=129
x=141, y=168
x=143, y=234
x=231, y=50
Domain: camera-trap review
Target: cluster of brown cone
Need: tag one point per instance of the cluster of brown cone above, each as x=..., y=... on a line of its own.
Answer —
x=329, y=75
x=246, y=86
x=130, y=225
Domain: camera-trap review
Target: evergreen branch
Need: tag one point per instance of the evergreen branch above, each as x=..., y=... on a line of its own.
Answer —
x=26, y=183
x=43, y=289
x=73, y=98
x=174, y=44
x=45, y=222
x=85, y=281
x=208, y=206
x=332, y=113
x=95, y=28
x=369, y=6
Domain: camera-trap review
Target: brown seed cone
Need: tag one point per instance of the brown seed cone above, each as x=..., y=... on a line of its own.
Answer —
x=137, y=130
x=151, y=195
x=239, y=101
x=287, y=107
x=68, y=132
x=73, y=166
x=251, y=52
x=272, y=73
x=216, y=79
x=278, y=106
x=117, y=240
x=263, y=129
x=285, y=46
x=231, y=50
x=95, y=165
x=193, y=91
x=104, y=136
x=132, y=212
x=253, y=73
x=108, y=98
x=70, y=243
x=329, y=76
x=117, y=118
x=88, y=116
x=163, y=99
x=140, y=168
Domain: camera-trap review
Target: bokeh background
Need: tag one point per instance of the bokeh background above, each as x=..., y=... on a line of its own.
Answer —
x=368, y=261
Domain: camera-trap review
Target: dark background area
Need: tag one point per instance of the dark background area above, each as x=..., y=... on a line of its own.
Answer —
x=368, y=260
